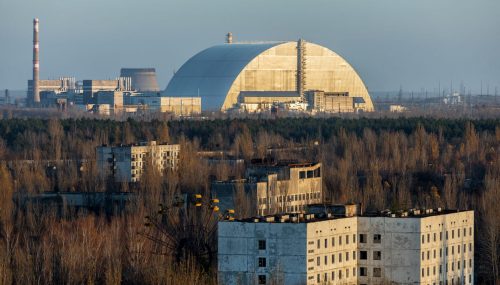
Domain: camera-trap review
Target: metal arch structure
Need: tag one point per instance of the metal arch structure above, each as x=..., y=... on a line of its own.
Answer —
x=218, y=74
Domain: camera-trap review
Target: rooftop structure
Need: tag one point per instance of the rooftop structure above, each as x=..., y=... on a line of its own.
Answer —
x=431, y=246
x=128, y=163
x=221, y=73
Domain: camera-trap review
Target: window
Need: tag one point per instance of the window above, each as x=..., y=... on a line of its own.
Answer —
x=377, y=272
x=340, y=257
x=347, y=256
x=262, y=262
x=428, y=238
x=423, y=255
x=333, y=258
x=362, y=238
x=333, y=241
x=354, y=255
x=377, y=255
x=347, y=273
x=440, y=252
x=452, y=234
x=346, y=239
x=434, y=270
x=435, y=236
x=326, y=260
x=470, y=231
x=458, y=264
x=363, y=255
x=326, y=243
x=302, y=175
x=440, y=236
x=318, y=278
x=446, y=235
x=262, y=244
x=354, y=271
x=333, y=275
x=423, y=272
x=377, y=238
x=262, y=279
x=354, y=238
x=434, y=255
x=340, y=240
x=440, y=269
x=363, y=271
x=318, y=261
x=318, y=244
x=458, y=233
x=423, y=239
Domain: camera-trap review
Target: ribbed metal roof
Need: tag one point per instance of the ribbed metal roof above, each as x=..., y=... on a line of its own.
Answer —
x=211, y=72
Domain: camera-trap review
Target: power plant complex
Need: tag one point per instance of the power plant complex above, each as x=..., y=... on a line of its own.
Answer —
x=294, y=76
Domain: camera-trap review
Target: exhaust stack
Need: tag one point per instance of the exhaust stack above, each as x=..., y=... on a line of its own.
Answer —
x=36, y=64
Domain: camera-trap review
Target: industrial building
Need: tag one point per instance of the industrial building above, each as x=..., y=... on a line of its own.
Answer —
x=128, y=163
x=412, y=247
x=252, y=76
x=271, y=188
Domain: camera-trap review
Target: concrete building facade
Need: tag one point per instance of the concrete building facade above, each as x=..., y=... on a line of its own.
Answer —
x=273, y=188
x=128, y=163
x=412, y=248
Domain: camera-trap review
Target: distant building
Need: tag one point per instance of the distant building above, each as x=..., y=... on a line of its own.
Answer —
x=92, y=87
x=57, y=92
x=127, y=163
x=271, y=188
x=397, y=108
x=453, y=99
x=416, y=247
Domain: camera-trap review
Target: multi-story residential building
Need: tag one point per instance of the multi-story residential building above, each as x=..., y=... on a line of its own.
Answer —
x=271, y=188
x=127, y=163
x=429, y=247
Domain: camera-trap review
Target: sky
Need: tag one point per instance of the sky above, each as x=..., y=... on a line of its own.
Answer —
x=415, y=44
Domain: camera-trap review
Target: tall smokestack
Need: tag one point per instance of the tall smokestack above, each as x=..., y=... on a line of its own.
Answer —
x=36, y=64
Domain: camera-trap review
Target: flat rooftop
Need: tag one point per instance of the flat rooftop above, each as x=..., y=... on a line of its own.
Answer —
x=318, y=217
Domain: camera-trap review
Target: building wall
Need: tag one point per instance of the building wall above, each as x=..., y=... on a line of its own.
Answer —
x=284, y=253
x=447, y=244
x=127, y=163
x=356, y=250
x=332, y=252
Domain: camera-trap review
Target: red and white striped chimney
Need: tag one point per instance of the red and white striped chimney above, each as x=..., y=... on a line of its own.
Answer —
x=36, y=64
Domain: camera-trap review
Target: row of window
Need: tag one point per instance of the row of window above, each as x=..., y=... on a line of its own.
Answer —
x=435, y=235
x=458, y=247
x=290, y=198
x=454, y=281
x=363, y=238
x=363, y=255
x=310, y=173
x=450, y=265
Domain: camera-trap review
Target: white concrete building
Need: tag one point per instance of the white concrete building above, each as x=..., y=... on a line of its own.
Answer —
x=410, y=248
x=127, y=163
x=271, y=188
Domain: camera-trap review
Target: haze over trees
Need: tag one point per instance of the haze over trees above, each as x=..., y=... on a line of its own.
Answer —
x=381, y=163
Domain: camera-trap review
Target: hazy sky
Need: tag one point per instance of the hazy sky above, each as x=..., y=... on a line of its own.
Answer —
x=415, y=43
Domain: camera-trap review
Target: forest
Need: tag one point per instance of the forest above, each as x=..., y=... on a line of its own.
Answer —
x=382, y=163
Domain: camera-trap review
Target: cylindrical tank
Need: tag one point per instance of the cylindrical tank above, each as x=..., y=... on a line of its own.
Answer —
x=143, y=79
